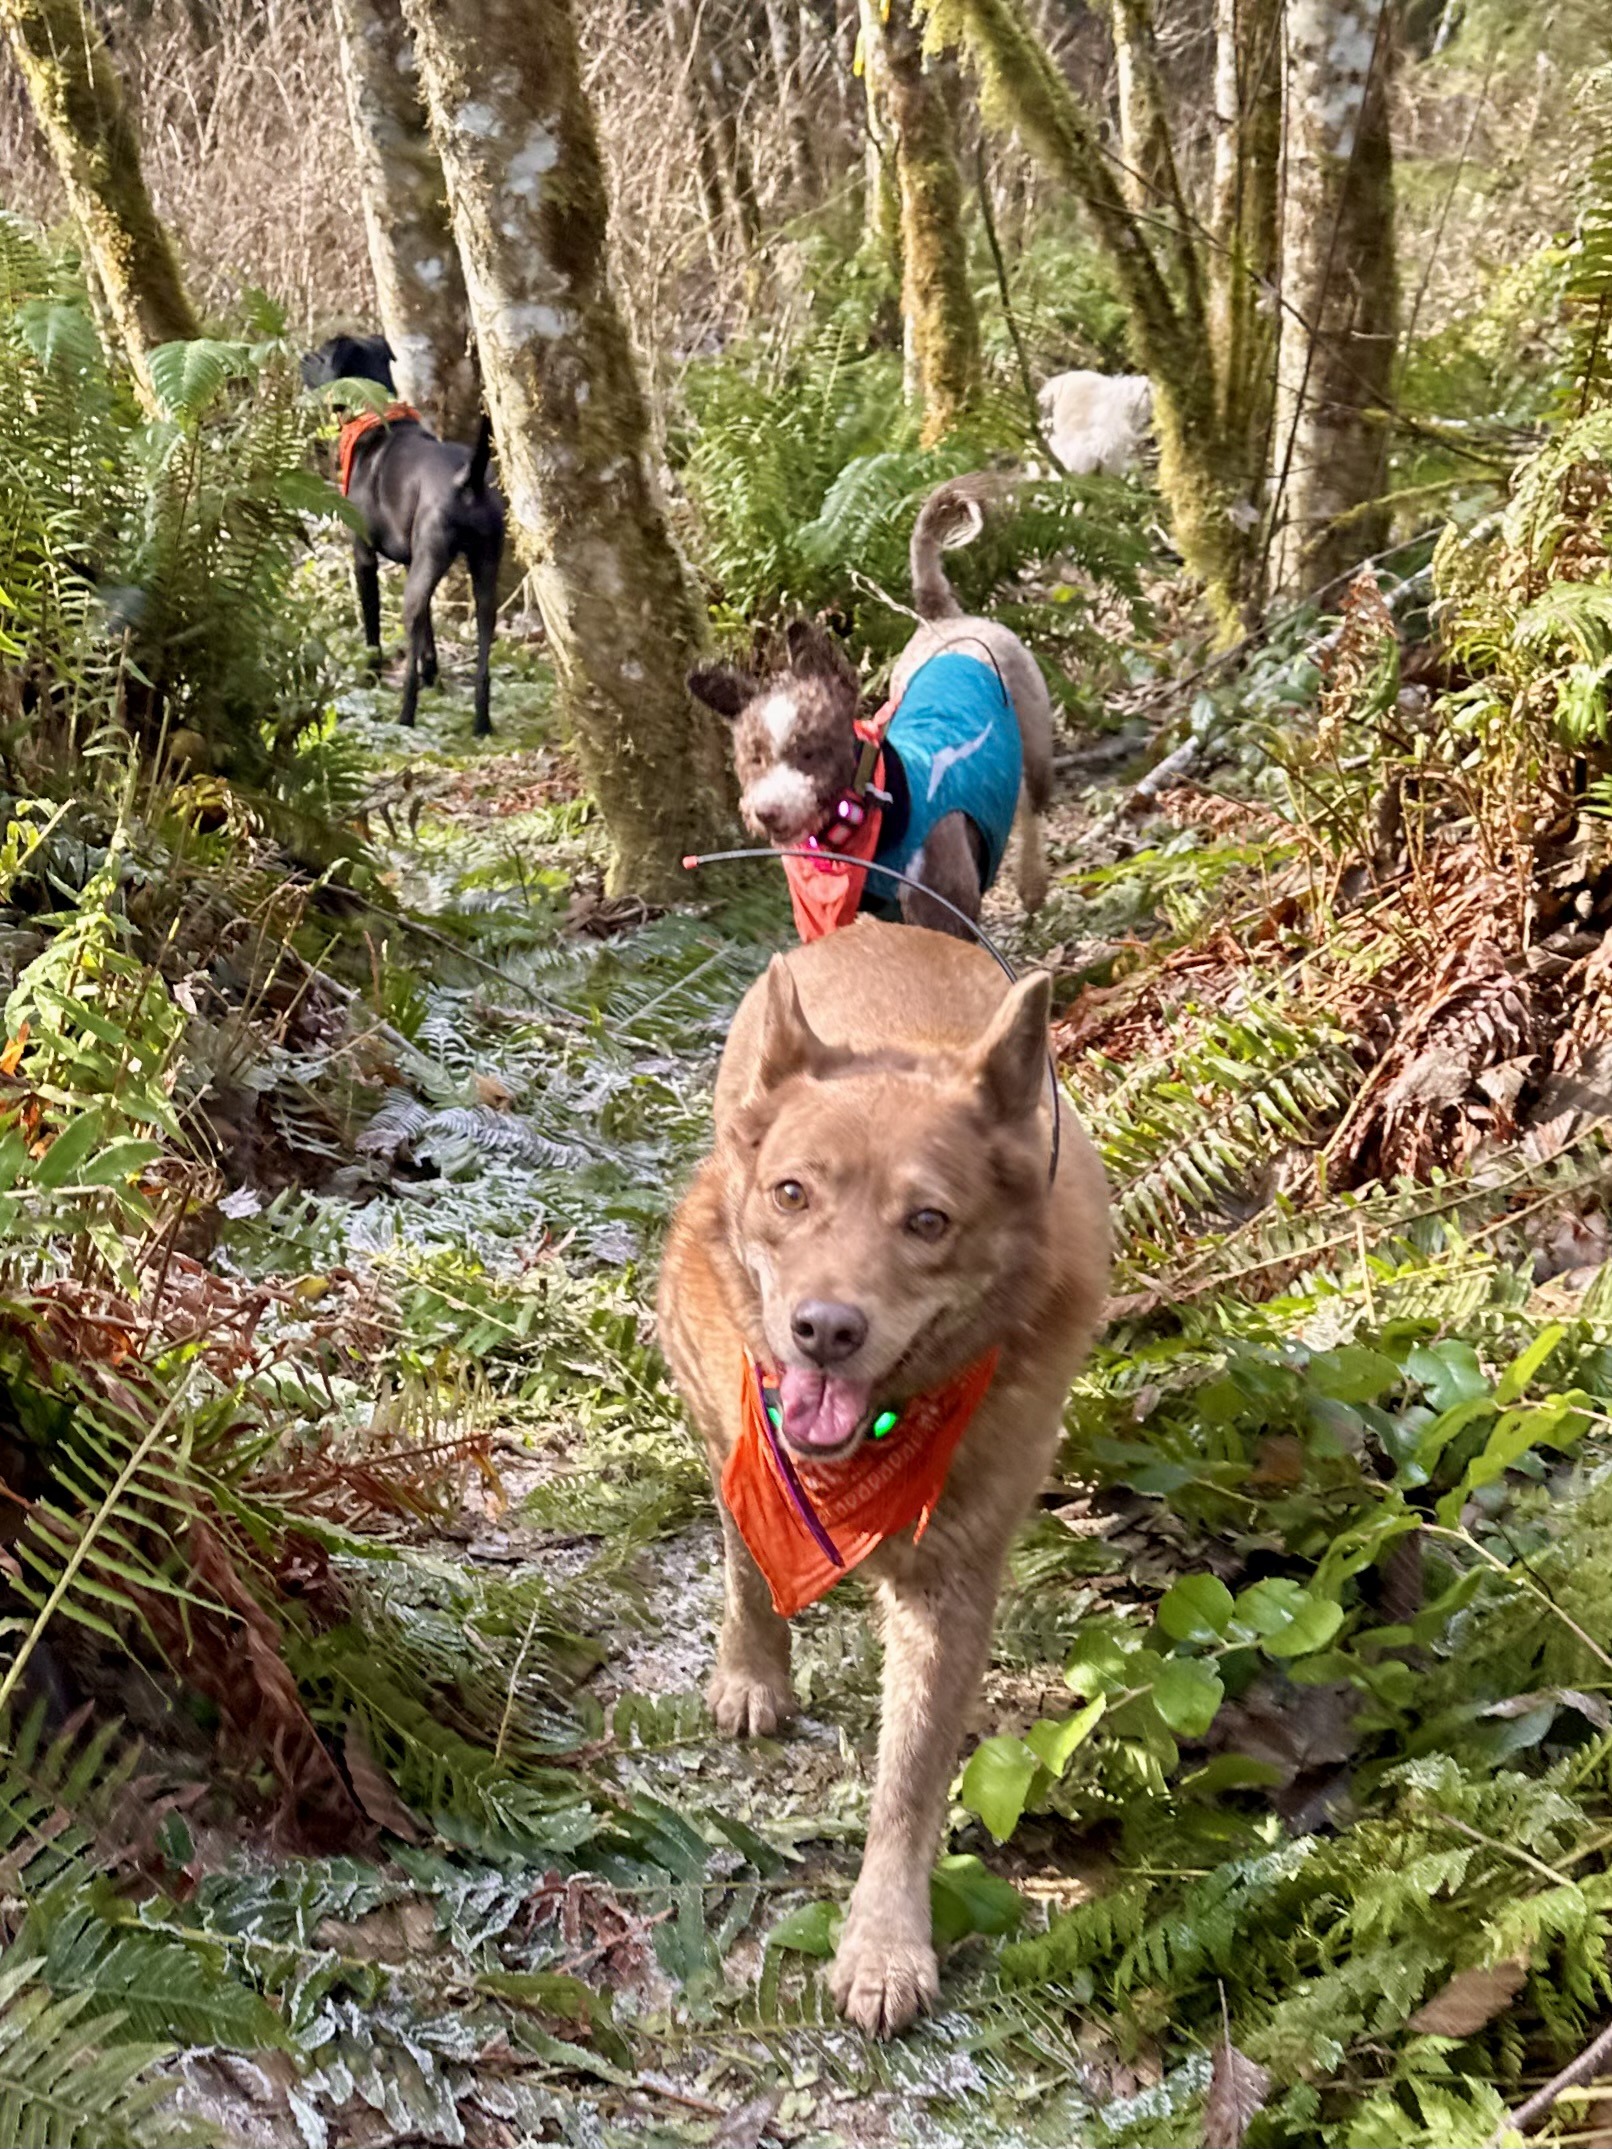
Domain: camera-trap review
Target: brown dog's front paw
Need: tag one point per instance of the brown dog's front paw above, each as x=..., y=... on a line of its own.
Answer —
x=747, y=1704
x=882, y=1985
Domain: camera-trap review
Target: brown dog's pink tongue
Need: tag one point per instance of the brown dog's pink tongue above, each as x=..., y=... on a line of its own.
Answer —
x=820, y=1410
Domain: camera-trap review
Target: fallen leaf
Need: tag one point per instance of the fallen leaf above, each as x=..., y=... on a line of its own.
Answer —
x=496, y=1095
x=375, y=1790
x=1469, y=2000
x=1279, y=1462
x=1238, y=2089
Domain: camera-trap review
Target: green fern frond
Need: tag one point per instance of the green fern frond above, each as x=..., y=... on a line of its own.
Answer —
x=62, y=2087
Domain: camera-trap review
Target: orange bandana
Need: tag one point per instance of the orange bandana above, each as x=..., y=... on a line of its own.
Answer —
x=825, y=890
x=354, y=429
x=855, y=1506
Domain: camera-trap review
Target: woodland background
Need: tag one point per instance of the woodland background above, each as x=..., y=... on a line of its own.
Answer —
x=358, y=1575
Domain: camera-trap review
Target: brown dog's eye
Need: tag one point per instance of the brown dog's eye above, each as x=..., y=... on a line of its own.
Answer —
x=790, y=1194
x=930, y=1224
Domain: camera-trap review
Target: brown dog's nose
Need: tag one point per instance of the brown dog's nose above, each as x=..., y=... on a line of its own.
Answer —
x=828, y=1332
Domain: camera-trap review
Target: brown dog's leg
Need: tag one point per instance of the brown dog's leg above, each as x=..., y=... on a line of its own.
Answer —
x=948, y=865
x=936, y=1647
x=750, y=1694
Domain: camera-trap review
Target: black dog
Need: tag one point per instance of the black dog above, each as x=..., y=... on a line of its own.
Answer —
x=425, y=503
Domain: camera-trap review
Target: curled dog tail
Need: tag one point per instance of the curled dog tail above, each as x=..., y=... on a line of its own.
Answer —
x=474, y=479
x=953, y=515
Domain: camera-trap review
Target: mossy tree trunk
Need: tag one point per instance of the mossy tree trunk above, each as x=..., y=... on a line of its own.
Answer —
x=937, y=297
x=503, y=86
x=1156, y=268
x=1339, y=293
x=418, y=281
x=1245, y=219
x=78, y=102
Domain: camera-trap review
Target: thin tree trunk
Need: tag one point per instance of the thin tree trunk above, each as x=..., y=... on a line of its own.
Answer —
x=784, y=37
x=503, y=85
x=937, y=296
x=1339, y=291
x=418, y=281
x=78, y=102
x=1245, y=221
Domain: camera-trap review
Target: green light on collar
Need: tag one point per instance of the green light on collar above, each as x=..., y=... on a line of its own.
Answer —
x=775, y=1412
x=885, y=1422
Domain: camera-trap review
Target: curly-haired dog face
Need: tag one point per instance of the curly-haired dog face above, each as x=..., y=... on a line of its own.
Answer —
x=794, y=737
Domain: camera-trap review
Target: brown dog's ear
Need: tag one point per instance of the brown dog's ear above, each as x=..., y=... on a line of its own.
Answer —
x=815, y=654
x=1010, y=1060
x=789, y=1044
x=722, y=688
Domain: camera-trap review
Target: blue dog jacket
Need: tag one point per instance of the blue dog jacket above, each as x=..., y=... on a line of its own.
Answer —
x=955, y=748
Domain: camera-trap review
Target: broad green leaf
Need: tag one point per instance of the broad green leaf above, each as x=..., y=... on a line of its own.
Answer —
x=119, y=1160
x=1286, y=1619
x=997, y=1781
x=1187, y=1693
x=1442, y=1431
x=1097, y=1665
x=1197, y=1609
x=1353, y=1374
x=1449, y=1373
x=1056, y=1738
x=813, y=1929
x=60, y=1163
x=1556, y=1424
x=1514, y=1381
x=967, y=1897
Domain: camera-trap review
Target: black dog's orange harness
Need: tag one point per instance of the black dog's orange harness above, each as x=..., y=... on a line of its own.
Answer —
x=354, y=429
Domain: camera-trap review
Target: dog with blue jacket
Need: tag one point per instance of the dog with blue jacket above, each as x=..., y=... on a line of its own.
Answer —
x=929, y=788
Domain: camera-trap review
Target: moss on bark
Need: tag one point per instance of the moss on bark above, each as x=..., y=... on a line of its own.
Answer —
x=937, y=296
x=418, y=281
x=516, y=136
x=78, y=101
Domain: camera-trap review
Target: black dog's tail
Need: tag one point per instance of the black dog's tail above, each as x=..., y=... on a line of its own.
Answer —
x=954, y=514
x=475, y=473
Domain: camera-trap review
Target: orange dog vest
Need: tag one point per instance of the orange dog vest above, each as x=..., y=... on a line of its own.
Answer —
x=354, y=429
x=807, y=1526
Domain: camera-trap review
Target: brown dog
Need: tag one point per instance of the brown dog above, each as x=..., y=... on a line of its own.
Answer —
x=876, y=1226
x=970, y=741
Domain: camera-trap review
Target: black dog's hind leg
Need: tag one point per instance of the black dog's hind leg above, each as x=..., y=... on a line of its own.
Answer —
x=418, y=591
x=485, y=579
x=428, y=655
x=367, y=575
x=949, y=863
